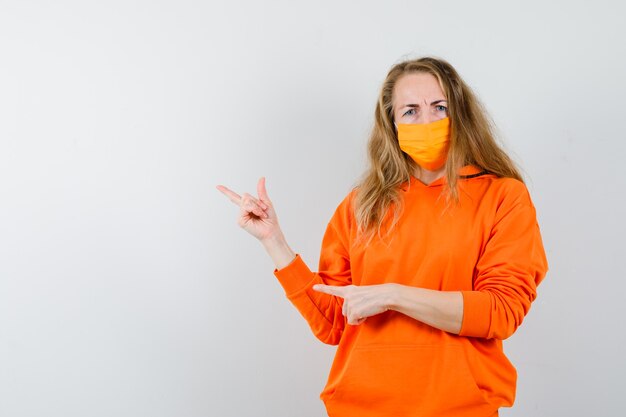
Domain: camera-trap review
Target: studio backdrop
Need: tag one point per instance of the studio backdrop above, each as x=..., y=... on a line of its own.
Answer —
x=127, y=287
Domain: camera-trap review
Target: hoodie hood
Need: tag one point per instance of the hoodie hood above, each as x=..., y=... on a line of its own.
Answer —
x=467, y=172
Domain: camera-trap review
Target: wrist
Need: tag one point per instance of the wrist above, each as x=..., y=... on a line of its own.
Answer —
x=278, y=249
x=394, y=295
x=275, y=240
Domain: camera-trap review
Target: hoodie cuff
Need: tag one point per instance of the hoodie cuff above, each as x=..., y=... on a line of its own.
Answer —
x=476, y=314
x=294, y=277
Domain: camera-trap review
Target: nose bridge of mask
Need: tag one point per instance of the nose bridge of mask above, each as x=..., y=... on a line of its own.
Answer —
x=436, y=129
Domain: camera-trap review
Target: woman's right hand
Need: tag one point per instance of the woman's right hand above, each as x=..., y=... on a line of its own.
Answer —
x=256, y=215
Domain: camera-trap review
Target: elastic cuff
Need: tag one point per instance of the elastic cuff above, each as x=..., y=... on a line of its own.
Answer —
x=476, y=314
x=295, y=276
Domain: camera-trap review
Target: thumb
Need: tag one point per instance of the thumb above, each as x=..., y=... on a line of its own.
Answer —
x=262, y=191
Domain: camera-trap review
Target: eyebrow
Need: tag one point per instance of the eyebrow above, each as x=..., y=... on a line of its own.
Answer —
x=417, y=105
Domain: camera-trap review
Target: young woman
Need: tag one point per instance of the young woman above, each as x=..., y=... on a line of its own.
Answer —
x=426, y=265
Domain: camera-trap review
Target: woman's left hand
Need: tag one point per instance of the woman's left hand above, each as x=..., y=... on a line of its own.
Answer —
x=361, y=302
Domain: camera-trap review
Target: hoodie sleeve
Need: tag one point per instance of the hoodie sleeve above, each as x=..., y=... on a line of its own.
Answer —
x=322, y=311
x=507, y=273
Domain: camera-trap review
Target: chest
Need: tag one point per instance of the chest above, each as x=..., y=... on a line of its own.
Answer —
x=432, y=246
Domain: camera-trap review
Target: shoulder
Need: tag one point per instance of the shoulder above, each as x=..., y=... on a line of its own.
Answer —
x=509, y=191
x=509, y=198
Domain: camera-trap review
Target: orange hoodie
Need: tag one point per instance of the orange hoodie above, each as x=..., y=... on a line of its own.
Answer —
x=489, y=247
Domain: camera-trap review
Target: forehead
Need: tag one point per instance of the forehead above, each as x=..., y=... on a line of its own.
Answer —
x=416, y=87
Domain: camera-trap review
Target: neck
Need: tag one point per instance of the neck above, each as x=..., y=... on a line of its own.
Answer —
x=427, y=176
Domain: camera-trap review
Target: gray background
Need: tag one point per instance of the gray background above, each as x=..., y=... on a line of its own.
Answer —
x=126, y=286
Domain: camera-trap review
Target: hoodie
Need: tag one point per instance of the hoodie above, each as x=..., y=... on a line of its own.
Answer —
x=488, y=247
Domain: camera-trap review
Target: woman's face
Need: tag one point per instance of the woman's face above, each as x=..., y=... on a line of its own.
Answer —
x=418, y=99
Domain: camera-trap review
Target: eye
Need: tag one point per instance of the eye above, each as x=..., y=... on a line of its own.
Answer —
x=407, y=112
x=441, y=108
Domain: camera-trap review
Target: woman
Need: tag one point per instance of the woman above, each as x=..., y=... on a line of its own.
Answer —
x=426, y=265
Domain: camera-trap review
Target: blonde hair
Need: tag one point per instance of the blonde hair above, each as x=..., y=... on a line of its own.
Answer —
x=472, y=141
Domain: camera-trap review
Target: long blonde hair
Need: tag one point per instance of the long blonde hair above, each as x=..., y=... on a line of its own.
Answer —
x=472, y=141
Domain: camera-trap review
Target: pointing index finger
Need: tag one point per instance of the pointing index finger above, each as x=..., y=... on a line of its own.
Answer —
x=329, y=289
x=233, y=196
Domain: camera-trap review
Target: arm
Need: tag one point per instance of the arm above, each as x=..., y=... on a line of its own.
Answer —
x=278, y=249
x=506, y=276
x=512, y=265
x=322, y=311
x=440, y=309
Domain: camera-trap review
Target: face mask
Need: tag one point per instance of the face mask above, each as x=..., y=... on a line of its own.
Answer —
x=427, y=143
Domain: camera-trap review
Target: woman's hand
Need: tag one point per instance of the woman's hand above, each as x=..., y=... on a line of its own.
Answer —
x=361, y=302
x=256, y=215
x=440, y=309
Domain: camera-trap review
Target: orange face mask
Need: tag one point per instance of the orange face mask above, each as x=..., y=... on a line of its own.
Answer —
x=426, y=143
